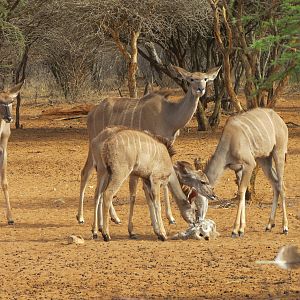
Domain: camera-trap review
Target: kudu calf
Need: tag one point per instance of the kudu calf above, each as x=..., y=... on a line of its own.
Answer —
x=119, y=152
x=153, y=112
x=6, y=99
x=258, y=136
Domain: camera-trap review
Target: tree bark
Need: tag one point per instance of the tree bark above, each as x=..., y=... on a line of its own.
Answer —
x=19, y=77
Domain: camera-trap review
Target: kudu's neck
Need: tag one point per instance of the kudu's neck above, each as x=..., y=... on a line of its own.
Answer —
x=216, y=165
x=178, y=114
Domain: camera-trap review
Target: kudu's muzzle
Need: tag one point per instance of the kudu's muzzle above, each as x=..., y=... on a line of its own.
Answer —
x=6, y=112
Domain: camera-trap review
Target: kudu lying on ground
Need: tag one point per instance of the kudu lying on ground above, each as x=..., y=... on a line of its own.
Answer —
x=257, y=136
x=6, y=99
x=119, y=152
x=153, y=112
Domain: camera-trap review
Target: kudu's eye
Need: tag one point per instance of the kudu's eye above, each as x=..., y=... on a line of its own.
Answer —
x=205, y=79
x=192, y=79
x=203, y=182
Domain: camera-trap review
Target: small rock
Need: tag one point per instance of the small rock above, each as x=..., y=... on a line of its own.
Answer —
x=73, y=239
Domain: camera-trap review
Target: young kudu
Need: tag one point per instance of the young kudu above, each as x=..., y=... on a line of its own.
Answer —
x=153, y=112
x=6, y=99
x=257, y=136
x=117, y=153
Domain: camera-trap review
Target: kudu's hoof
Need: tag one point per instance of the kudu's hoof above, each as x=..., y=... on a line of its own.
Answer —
x=106, y=237
x=79, y=221
x=269, y=227
x=172, y=222
x=133, y=236
x=162, y=237
x=241, y=234
x=10, y=222
x=234, y=235
x=95, y=235
x=285, y=231
x=116, y=221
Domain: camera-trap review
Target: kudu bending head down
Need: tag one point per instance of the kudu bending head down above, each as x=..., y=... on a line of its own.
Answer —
x=258, y=136
x=153, y=112
x=120, y=152
x=196, y=186
x=6, y=99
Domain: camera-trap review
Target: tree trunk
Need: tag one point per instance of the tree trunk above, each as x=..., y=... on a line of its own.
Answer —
x=19, y=77
x=133, y=66
x=201, y=118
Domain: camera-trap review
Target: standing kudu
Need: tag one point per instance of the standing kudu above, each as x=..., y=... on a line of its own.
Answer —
x=153, y=112
x=6, y=99
x=119, y=152
x=258, y=136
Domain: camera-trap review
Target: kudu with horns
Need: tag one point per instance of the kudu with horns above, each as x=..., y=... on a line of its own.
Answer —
x=6, y=99
x=258, y=136
x=153, y=112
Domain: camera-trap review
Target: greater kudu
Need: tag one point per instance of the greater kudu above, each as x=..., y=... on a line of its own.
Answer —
x=152, y=112
x=119, y=152
x=6, y=99
x=256, y=136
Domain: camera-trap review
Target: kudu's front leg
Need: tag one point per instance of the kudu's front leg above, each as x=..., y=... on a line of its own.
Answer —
x=4, y=184
x=240, y=221
x=168, y=205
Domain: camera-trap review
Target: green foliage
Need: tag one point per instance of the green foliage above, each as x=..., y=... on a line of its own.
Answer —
x=282, y=32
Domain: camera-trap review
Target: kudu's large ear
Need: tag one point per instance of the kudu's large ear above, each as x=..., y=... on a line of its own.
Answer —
x=15, y=90
x=213, y=73
x=183, y=167
x=181, y=72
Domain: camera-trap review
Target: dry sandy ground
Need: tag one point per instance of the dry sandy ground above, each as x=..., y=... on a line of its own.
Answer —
x=45, y=159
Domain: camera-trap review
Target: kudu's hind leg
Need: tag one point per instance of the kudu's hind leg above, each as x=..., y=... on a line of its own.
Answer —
x=85, y=174
x=4, y=184
x=279, y=159
x=133, y=181
x=266, y=165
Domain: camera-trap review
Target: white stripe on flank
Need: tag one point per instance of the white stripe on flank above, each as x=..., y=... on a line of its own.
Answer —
x=123, y=122
x=250, y=134
x=133, y=113
x=123, y=143
x=267, y=135
x=140, y=117
x=155, y=150
x=270, y=121
x=250, y=129
x=140, y=146
x=111, y=115
x=253, y=124
x=245, y=133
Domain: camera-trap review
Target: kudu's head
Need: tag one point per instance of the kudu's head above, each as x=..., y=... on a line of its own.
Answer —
x=6, y=100
x=196, y=179
x=197, y=80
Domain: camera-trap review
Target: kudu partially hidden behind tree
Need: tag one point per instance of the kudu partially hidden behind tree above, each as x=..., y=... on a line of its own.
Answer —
x=119, y=152
x=153, y=112
x=6, y=99
x=258, y=136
